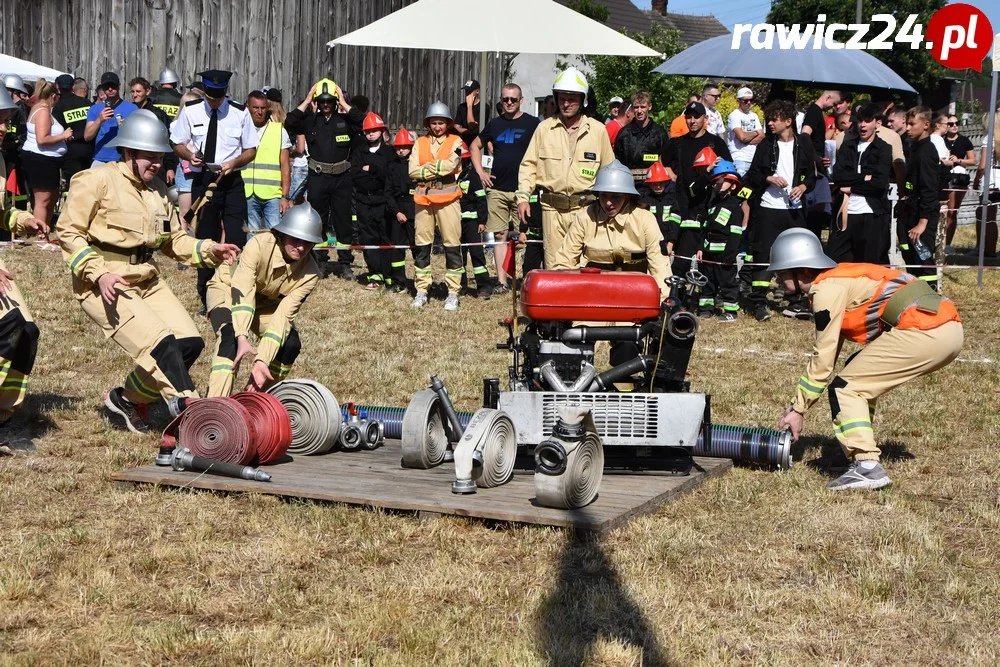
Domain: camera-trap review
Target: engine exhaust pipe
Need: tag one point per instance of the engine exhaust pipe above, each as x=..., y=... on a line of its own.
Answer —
x=551, y=376
x=586, y=334
x=622, y=372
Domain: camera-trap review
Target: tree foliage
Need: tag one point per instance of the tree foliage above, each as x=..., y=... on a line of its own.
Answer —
x=622, y=76
x=917, y=67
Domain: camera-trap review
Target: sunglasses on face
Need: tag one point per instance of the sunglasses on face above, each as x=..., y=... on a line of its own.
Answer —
x=509, y=100
x=710, y=95
x=951, y=123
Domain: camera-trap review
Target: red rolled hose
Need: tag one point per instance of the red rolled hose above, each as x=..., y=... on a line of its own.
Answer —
x=271, y=424
x=218, y=428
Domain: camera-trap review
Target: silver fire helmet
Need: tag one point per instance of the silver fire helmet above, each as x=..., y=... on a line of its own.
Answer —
x=168, y=76
x=14, y=82
x=616, y=178
x=142, y=131
x=798, y=248
x=438, y=109
x=301, y=222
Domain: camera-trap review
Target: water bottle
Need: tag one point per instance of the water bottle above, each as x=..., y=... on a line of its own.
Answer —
x=923, y=252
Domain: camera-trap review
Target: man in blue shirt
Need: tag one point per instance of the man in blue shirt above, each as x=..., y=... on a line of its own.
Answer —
x=104, y=118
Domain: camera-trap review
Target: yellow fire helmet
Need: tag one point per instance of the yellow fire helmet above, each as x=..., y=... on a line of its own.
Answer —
x=326, y=89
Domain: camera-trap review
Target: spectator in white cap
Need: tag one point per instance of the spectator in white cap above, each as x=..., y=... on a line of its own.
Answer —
x=745, y=131
x=614, y=107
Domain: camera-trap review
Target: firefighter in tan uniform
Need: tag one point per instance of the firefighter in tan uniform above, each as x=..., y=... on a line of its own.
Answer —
x=434, y=165
x=115, y=217
x=615, y=234
x=907, y=330
x=18, y=332
x=262, y=293
x=562, y=160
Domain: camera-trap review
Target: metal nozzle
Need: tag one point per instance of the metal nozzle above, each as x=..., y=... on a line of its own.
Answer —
x=463, y=486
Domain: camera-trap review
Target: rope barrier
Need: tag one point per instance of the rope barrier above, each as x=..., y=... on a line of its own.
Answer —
x=313, y=413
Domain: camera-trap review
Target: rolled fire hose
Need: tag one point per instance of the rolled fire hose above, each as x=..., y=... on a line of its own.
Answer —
x=741, y=443
x=485, y=454
x=313, y=413
x=272, y=426
x=218, y=428
x=570, y=465
x=183, y=459
x=424, y=441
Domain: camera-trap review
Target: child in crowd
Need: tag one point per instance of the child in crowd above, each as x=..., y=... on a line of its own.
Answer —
x=722, y=231
x=369, y=168
x=474, y=215
x=399, y=208
x=918, y=209
x=660, y=201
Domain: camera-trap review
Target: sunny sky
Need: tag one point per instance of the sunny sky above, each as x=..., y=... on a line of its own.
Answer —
x=731, y=12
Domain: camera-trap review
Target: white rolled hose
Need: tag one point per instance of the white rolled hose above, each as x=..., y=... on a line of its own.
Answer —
x=569, y=469
x=424, y=440
x=485, y=454
x=314, y=415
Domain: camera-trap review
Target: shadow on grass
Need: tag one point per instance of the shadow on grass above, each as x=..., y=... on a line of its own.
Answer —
x=32, y=420
x=590, y=602
x=831, y=460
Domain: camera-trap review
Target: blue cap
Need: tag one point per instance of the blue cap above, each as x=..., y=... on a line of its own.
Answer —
x=364, y=414
x=216, y=81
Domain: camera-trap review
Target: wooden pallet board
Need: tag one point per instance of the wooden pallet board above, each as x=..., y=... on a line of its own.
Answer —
x=375, y=479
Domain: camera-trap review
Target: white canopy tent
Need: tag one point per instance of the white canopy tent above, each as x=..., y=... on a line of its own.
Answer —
x=26, y=69
x=513, y=26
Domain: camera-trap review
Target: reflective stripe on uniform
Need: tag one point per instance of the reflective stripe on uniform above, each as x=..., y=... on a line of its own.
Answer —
x=77, y=257
x=810, y=389
x=690, y=224
x=273, y=336
x=844, y=428
x=135, y=383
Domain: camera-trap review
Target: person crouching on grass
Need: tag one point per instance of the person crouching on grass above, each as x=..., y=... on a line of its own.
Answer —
x=907, y=330
x=116, y=216
x=262, y=294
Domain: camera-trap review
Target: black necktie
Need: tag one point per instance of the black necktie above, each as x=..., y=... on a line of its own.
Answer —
x=213, y=130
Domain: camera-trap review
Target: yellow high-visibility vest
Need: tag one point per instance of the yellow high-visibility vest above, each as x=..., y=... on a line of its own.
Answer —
x=262, y=177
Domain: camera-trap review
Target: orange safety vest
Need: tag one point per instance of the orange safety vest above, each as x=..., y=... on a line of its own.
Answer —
x=446, y=189
x=864, y=324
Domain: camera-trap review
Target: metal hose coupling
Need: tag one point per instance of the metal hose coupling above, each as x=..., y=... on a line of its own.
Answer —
x=485, y=455
x=183, y=460
x=314, y=415
x=570, y=465
x=373, y=432
x=682, y=325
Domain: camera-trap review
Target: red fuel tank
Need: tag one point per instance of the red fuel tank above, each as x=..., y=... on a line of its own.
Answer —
x=590, y=295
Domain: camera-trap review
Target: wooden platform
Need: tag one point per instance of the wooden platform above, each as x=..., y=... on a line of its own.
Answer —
x=375, y=479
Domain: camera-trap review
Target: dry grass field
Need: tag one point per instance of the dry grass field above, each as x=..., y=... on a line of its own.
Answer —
x=754, y=568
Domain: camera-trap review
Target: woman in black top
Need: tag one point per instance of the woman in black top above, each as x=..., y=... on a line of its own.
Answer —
x=962, y=155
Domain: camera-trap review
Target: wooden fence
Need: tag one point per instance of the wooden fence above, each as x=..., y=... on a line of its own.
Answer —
x=264, y=43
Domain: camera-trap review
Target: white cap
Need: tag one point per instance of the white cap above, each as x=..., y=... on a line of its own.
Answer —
x=615, y=99
x=744, y=94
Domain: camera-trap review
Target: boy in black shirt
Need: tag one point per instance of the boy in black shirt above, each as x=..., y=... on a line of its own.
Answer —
x=691, y=190
x=918, y=209
x=660, y=201
x=399, y=208
x=722, y=231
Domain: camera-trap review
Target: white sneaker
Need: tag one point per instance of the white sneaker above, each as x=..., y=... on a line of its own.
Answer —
x=451, y=303
x=420, y=300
